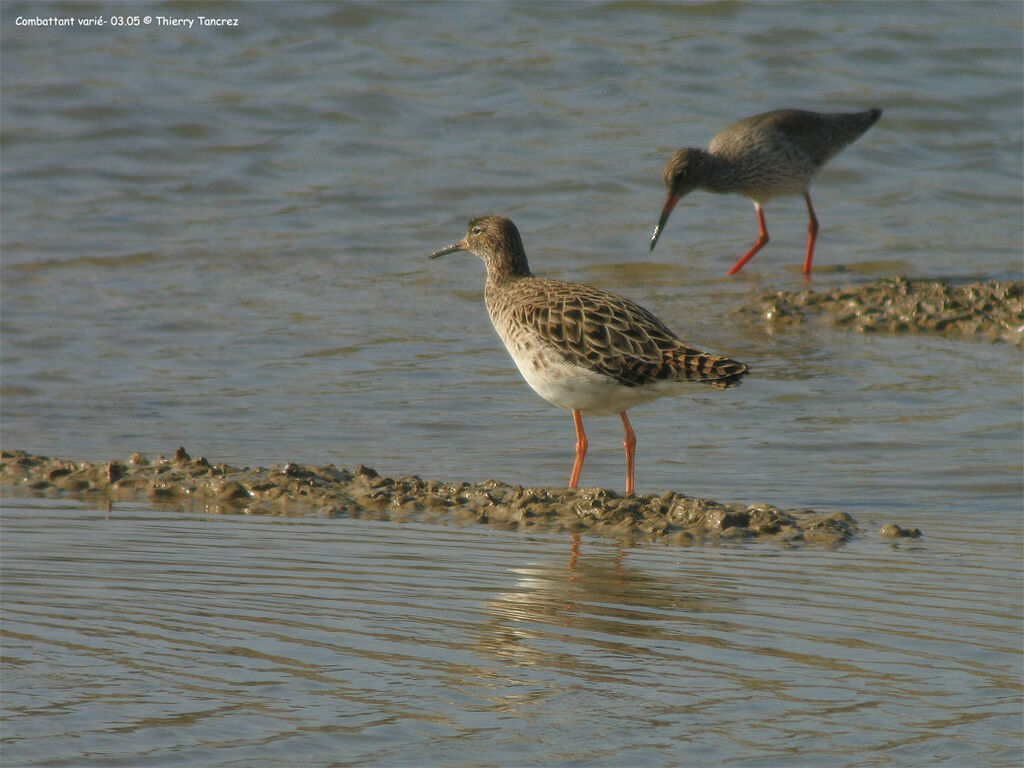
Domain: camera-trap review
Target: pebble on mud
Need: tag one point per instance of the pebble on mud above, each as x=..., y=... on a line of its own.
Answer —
x=893, y=531
x=992, y=310
x=297, y=489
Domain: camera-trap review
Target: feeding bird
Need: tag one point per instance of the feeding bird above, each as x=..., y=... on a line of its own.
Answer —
x=761, y=157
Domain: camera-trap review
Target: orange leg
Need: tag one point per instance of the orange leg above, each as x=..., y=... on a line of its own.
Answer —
x=630, y=445
x=762, y=238
x=581, y=448
x=812, y=235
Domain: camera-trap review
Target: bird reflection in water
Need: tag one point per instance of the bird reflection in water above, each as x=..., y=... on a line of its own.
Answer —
x=556, y=609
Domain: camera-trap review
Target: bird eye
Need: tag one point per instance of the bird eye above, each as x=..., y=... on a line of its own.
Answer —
x=477, y=230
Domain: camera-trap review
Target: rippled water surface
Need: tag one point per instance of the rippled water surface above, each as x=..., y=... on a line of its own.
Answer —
x=157, y=637
x=215, y=238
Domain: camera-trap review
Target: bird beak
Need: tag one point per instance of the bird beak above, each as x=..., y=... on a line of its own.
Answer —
x=459, y=246
x=670, y=203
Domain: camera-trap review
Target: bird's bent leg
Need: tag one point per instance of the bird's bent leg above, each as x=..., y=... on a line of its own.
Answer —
x=581, y=448
x=630, y=445
x=812, y=235
x=762, y=238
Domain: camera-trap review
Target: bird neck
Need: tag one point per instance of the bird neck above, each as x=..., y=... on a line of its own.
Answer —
x=506, y=266
x=716, y=173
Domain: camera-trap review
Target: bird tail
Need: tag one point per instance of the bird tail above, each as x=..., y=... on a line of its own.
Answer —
x=850, y=126
x=715, y=370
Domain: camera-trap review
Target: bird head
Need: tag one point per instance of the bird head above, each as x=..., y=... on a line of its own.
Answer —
x=680, y=182
x=496, y=240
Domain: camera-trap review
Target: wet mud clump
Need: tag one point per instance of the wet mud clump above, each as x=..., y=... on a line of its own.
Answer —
x=991, y=311
x=893, y=531
x=296, y=489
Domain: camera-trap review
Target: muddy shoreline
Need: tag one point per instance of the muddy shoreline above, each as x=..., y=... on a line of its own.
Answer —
x=983, y=311
x=300, y=489
x=992, y=311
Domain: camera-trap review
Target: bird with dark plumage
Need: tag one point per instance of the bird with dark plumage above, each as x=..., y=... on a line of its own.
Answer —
x=761, y=157
x=579, y=347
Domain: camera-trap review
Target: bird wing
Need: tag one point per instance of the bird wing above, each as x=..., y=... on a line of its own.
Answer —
x=818, y=136
x=614, y=336
x=814, y=134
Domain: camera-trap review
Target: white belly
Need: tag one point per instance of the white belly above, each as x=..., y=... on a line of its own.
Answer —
x=576, y=388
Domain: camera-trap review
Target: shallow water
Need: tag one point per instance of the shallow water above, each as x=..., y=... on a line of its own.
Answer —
x=215, y=238
x=155, y=636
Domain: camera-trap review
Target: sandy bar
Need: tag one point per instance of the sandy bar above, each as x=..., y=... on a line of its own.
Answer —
x=990, y=311
x=300, y=489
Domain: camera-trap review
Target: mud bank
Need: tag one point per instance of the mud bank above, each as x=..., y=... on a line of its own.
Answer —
x=991, y=311
x=299, y=489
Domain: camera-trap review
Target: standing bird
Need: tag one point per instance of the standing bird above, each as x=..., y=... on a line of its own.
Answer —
x=581, y=348
x=761, y=157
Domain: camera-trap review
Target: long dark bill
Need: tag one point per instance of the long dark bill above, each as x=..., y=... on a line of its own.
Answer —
x=459, y=246
x=670, y=203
